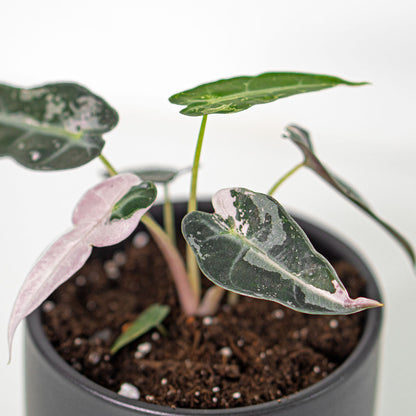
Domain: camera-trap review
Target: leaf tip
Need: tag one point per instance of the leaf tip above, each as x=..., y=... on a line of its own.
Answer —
x=365, y=303
x=359, y=84
x=172, y=98
x=11, y=332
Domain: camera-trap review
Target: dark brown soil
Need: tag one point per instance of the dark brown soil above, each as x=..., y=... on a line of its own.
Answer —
x=252, y=353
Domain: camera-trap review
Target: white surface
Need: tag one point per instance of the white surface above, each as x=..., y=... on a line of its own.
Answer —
x=136, y=54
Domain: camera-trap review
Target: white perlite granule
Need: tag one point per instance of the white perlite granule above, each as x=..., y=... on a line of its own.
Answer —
x=143, y=349
x=48, y=306
x=120, y=258
x=333, y=323
x=278, y=314
x=140, y=239
x=207, y=320
x=111, y=269
x=130, y=391
x=226, y=351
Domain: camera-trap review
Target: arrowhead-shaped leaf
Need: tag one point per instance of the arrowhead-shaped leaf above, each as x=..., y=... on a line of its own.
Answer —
x=251, y=246
x=148, y=319
x=238, y=94
x=92, y=227
x=53, y=127
x=302, y=139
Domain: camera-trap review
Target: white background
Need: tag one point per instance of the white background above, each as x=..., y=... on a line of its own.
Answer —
x=136, y=54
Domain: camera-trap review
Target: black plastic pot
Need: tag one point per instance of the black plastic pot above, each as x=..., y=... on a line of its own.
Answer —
x=54, y=388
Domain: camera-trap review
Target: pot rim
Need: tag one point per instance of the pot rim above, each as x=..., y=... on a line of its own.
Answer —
x=367, y=342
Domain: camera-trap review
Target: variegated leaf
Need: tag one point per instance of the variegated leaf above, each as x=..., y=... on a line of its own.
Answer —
x=92, y=227
x=302, y=139
x=237, y=94
x=251, y=246
x=54, y=126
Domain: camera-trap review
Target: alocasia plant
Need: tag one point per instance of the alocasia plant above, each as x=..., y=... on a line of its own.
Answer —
x=250, y=245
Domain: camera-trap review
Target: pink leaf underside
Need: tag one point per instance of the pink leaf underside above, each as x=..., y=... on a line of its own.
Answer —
x=70, y=252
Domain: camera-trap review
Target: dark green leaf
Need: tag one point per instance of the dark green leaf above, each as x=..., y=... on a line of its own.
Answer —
x=157, y=175
x=302, y=139
x=138, y=197
x=53, y=127
x=237, y=94
x=148, y=319
x=251, y=246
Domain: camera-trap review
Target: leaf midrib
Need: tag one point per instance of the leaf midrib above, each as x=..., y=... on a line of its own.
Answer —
x=251, y=93
x=49, y=131
x=275, y=265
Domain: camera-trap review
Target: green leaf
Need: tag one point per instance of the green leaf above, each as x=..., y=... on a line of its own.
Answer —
x=138, y=197
x=251, y=246
x=53, y=127
x=302, y=139
x=238, y=94
x=156, y=174
x=148, y=319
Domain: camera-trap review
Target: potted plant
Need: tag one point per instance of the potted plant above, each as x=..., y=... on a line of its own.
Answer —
x=249, y=245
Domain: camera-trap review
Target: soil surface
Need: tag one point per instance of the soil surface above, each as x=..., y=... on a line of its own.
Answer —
x=252, y=353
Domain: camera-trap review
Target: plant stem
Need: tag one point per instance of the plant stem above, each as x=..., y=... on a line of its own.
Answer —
x=211, y=301
x=195, y=166
x=284, y=177
x=232, y=298
x=187, y=298
x=162, y=330
x=108, y=166
x=192, y=265
x=168, y=215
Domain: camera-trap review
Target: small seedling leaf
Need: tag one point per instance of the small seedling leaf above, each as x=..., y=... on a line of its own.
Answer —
x=150, y=318
x=302, y=139
x=251, y=246
x=237, y=94
x=92, y=227
x=54, y=126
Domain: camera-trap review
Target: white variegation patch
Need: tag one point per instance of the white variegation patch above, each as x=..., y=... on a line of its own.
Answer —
x=55, y=105
x=225, y=205
x=33, y=93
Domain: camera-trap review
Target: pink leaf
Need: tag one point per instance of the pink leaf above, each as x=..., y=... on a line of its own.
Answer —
x=70, y=252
